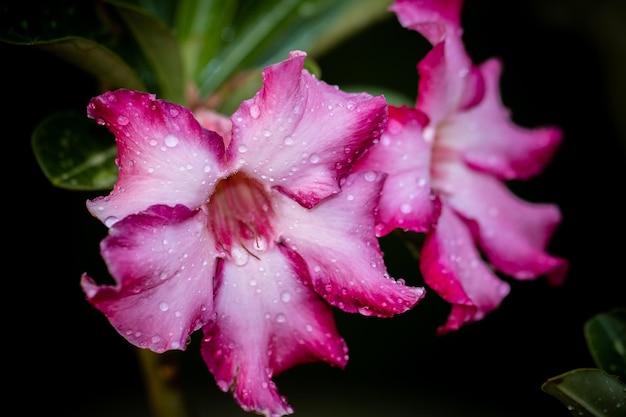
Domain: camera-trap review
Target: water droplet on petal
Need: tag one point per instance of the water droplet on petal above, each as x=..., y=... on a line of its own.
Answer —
x=163, y=306
x=285, y=296
x=171, y=141
x=110, y=221
x=240, y=256
x=370, y=176
x=255, y=112
x=122, y=120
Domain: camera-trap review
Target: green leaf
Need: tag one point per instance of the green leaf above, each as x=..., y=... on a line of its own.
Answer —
x=78, y=32
x=74, y=152
x=105, y=65
x=264, y=33
x=606, y=338
x=162, y=10
x=323, y=24
x=160, y=47
x=201, y=27
x=588, y=392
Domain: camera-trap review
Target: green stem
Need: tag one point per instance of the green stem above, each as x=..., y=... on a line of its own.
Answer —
x=162, y=376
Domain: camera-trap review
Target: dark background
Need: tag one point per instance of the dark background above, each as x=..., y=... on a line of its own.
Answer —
x=563, y=65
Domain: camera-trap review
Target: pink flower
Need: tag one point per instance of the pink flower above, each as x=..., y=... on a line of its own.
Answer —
x=448, y=160
x=252, y=243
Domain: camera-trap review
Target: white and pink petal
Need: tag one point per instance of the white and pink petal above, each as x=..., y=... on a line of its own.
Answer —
x=452, y=266
x=337, y=242
x=162, y=261
x=407, y=200
x=492, y=143
x=164, y=155
x=434, y=19
x=448, y=83
x=302, y=135
x=266, y=321
x=512, y=232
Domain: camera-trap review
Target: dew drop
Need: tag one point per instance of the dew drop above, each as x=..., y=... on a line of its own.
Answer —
x=280, y=318
x=110, y=221
x=285, y=297
x=370, y=176
x=122, y=120
x=255, y=112
x=429, y=134
x=163, y=306
x=171, y=141
x=240, y=256
x=406, y=208
x=314, y=158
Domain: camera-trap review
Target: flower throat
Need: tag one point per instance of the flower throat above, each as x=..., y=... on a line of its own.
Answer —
x=240, y=216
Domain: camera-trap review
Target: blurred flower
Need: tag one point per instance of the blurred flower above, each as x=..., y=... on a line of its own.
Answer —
x=448, y=160
x=252, y=242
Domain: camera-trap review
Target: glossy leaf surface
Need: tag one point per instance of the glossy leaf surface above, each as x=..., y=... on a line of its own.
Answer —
x=74, y=152
x=588, y=392
x=606, y=338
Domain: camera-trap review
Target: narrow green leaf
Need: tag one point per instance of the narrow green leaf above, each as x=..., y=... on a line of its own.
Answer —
x=264, y=33
x=589, y=392
x=254, y=27
x=163, y=10
x=323, y=24
x=74, y=152
x=201, y=27
x=160, y=48
x=606, y=338
x=96, y=59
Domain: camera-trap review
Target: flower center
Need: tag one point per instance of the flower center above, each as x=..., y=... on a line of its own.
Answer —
x=240, y=216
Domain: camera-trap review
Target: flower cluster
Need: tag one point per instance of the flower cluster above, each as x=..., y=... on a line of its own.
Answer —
x=251, y=229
